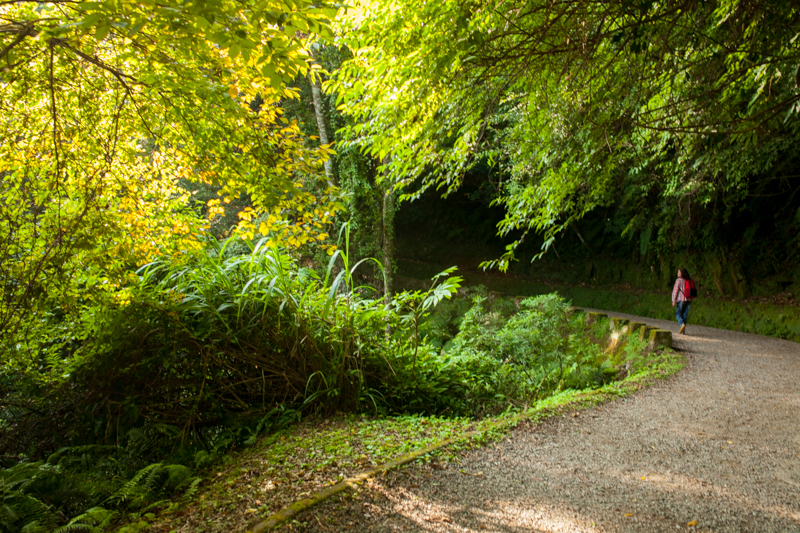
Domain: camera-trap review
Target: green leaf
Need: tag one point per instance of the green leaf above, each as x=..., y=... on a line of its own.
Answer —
x=101, y=32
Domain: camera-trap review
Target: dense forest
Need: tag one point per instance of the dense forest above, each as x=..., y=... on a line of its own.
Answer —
x=220, y=217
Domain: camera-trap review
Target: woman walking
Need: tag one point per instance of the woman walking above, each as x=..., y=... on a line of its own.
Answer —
x=682, y=294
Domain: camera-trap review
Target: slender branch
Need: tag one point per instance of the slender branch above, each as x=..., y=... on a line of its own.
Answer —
x=54, y=113
x=28, y=31
x=121, y=76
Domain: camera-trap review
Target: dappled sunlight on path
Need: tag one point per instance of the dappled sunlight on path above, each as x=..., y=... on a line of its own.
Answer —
x=715, y=448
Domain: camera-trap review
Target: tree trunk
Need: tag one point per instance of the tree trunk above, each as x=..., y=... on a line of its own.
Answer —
x=319, y=112
x=387, y=238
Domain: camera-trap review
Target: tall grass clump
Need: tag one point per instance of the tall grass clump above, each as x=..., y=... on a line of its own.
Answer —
x=187, y=361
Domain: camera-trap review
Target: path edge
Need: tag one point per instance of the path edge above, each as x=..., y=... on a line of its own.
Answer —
x=580, y=399
x=291, y=511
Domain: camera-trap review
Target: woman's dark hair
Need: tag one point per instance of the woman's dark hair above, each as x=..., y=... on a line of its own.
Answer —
x=683, y=273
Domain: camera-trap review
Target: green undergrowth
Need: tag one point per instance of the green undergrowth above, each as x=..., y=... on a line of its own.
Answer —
x=206, y=358
x=760, y=318
x=482, y=354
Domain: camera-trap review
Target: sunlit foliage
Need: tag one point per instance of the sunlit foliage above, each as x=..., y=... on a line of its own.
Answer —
x=106, y=105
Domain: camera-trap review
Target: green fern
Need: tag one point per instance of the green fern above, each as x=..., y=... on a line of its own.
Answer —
x=94, y=520
x=191, y=491
x=140, y=440
x=143, y=480
x=177, y=475
x=25, y=513
x=83, y=528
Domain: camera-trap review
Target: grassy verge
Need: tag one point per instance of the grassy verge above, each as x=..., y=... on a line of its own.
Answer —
x=294, y=463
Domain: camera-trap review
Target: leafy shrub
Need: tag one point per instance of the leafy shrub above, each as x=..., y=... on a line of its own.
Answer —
x=184, y=363
x=444, y=322
x=224, y=339
x=499, y=357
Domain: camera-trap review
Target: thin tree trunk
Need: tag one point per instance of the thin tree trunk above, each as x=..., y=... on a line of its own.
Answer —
x=319, y=112
x=387, y=238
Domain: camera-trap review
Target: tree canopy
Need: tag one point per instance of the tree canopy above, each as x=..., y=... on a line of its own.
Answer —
x=580, y=103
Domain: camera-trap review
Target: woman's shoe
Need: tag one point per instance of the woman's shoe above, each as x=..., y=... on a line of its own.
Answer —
x=683, y=327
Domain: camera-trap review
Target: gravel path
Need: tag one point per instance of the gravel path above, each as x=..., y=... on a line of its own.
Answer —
x=718, y=444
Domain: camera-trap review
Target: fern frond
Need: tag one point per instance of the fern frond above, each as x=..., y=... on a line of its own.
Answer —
x=28, y=512
x=34, y=527
x=69, y=528
x=194, y=486
x=177, y=474
x=134, y=486
x=8, y=515
x=150, y=481
x=94, y=520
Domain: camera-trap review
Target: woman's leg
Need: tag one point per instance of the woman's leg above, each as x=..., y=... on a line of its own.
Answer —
x=679, y=313
x=686, y=312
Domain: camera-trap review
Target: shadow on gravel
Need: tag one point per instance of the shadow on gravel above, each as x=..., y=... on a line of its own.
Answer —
x=553, y=500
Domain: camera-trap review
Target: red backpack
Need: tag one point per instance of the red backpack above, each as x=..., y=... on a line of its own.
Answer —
x=691, y=287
